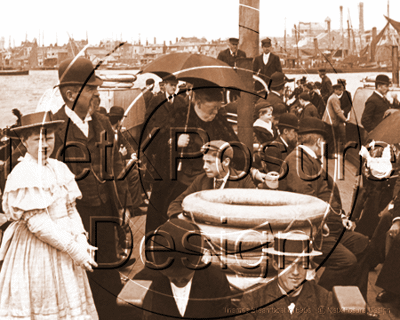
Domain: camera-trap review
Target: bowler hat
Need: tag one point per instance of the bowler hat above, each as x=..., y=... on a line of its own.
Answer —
x=37, y=119
x=381, y=78
x=288, y=120
x=220, y=146
x=337, y=86
x=175, y=239
x=266, y=42
x=312, y=125
x=149, y=81
x=322, y=71
x=304, y=96
x=233, y=40
x=116, y=111
x=78, y=72
x=170, y=79
x=278, y=79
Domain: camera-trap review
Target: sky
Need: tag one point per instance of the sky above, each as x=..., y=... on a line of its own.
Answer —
x=167, y=19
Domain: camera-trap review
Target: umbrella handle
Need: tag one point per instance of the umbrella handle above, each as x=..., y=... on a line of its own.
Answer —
x=179, y=168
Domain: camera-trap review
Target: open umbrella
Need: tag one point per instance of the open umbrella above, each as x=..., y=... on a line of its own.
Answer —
x=197, y=69
x=388, y=130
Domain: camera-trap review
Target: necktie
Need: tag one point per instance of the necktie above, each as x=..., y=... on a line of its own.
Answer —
x=218, y=183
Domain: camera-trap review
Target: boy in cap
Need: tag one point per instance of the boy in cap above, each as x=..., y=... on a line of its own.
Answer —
x=289, y=294
x=268, y=116
x=230, y=55
x=218, y=174
x=266, y=64
x=183, y=286
x=306, y=176
x=326, y=85
x=377, y=107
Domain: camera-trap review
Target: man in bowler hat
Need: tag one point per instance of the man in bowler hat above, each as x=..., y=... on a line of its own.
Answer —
x=267, y=63
x=231, y=54
x=377, y=107
x=290, y=295
x=87, y=131
x=306, y=176
x=277, y=88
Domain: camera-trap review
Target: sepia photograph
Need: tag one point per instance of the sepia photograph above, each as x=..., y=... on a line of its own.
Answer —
x=225, y=159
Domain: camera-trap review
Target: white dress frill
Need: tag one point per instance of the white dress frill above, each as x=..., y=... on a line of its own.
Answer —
x=38, y=281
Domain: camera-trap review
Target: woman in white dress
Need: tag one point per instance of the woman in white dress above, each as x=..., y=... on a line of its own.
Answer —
x=45, y=249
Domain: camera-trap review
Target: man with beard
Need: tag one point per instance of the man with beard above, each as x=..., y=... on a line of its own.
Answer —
x=231, y=54
x=203, y=123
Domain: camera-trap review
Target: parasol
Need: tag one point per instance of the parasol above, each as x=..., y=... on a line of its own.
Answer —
x=388, y=130
x=196, y=69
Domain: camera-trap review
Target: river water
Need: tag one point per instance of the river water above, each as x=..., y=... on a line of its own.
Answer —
x=24, y=92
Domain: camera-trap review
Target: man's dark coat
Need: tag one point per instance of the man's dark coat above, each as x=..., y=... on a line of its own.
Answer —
x=375, y=108
x=230, y=59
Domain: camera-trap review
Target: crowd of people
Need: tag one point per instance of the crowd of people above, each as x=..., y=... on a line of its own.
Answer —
x=66, y=182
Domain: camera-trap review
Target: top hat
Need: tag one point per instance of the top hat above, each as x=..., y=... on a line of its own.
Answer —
x=312, y=125
x=304, y=96
x=233, y=40
x=381, y=78
x=175, y=239
x=37, y=119
x=266, y=42
x=288, y=120
x=277, y=80
x=222, y=147
x=78, y=72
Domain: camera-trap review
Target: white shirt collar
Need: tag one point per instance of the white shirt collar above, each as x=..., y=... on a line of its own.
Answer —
x=224, y=180
x=181, y=296
x=83, y=125
x=277, y=93
x=266, y=57
x=309, y=151
x=169, y=97
x=378, y=93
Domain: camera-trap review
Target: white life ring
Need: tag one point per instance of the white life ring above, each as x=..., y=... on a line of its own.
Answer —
x=254, y=208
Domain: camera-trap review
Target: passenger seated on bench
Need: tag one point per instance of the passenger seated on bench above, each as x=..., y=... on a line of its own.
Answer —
x=218, y=174
x=178, y=289
x=289, y=294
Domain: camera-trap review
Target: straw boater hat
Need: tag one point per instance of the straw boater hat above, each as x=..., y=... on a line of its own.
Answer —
x=292, y=244
x=37, y=119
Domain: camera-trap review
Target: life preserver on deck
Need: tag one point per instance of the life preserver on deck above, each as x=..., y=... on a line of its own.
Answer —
x=255, y=208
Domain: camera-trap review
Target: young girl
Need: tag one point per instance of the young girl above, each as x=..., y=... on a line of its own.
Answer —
x=45, y=249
